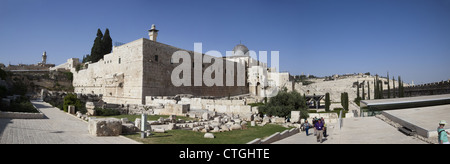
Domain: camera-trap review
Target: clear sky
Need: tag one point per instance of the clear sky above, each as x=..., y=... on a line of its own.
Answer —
x=410, y=38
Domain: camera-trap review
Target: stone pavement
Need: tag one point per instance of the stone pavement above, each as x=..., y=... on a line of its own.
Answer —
x=360, y=130
x=58, y=128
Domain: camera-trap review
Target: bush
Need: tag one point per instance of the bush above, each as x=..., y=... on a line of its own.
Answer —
x=21, y=104
x=255, y=104
x=106, y=112
x=71, y=99
x=283, y=103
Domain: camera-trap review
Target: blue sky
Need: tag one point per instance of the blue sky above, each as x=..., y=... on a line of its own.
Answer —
x=410, y=38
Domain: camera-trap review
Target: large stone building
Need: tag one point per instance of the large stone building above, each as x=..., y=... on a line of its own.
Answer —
x=143, y=68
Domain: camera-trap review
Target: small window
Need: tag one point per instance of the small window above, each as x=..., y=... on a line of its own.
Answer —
x=156, y=58
x=119, y=60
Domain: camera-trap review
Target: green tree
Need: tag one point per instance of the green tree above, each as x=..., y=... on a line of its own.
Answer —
x=400, y=87
x=71, y=99
x=380, y=91
x=106, y=43
x=389, y=87
x=357, y=90
x=393, y=83
x=327, y=102
x=368, y=91
x=363, y=93
x=375, y=87
x=97, y=48
x=344, y=100
x=283, y=103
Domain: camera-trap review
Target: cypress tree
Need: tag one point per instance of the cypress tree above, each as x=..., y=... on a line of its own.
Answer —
x=393, y=83
x=97, y=48
x=106, y=43
x=375, y=87
x=346, y=101
x=389, y=87
x=327, y=102
x=363, y=94
x=400, y=87
x=357, y=90
x=368, y=91
x=381, y=89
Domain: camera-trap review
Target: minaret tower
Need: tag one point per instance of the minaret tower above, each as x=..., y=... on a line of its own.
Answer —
x=44, y=58
x=153, y=33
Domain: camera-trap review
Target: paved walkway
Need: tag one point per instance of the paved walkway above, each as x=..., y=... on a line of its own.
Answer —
x=57, y=128
x=361, y=130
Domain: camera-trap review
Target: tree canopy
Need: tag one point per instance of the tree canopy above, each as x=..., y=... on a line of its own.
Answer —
x=102, y=46
x=283, y=103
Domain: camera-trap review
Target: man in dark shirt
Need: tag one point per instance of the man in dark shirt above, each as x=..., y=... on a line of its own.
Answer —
x=319, y=128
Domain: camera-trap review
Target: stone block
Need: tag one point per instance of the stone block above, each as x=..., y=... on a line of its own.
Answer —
x=278, y=120
x=124, y=120
x=248, y=117
x=105, y=127
x=71, y=109
x=236, y=127
x=205, y=116
x=159, y=130
x=295, y=116
x=208, y=135
x=224, y=128
x=172, y=126
x=128, y=128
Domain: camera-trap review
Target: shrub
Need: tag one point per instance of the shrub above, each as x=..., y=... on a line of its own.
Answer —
x=283, y=103
x=71, y=99
x=106, y=112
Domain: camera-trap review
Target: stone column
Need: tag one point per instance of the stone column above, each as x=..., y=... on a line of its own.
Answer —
x=143, y=121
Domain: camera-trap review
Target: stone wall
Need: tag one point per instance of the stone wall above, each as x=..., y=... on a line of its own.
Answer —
x=142, y=68
x=223, y=106
x=436, y=88
x=117, y=77
x=214, y=105
x=173, y=109
x=158, y=68
x=21, y=115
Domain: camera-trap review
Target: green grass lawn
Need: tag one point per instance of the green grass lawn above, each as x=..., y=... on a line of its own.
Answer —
x=191, y=137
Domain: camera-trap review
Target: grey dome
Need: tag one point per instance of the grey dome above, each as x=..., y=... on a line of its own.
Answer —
x=240, y=47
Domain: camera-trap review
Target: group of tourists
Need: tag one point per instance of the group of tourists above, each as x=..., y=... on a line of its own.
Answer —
x=320, y=128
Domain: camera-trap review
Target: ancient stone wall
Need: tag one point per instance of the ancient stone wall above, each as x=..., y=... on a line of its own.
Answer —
x=142, y=68
x=117, y=77
x=436, y=88
x=158, y=68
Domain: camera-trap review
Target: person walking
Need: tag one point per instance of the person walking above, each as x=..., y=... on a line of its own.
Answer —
x=442, y=134
x=319, y=129
x=307, y=126
x=324, y=127
x=314, y=124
